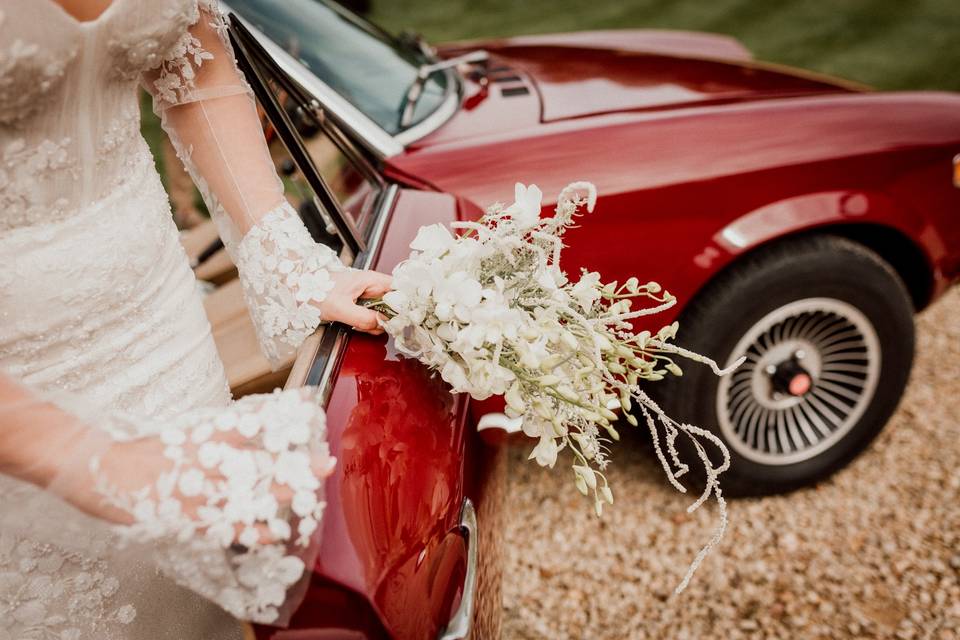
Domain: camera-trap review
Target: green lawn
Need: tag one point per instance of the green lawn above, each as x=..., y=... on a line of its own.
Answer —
x=890, y=44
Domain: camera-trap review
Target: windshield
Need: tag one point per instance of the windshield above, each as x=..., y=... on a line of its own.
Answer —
x=365, y=65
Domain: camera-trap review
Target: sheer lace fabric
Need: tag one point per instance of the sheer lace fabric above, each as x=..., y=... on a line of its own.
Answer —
x=195, y=496
x=97, y=299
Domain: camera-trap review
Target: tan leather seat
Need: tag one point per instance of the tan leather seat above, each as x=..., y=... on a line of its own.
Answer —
x=218, y=269
x=247, y=369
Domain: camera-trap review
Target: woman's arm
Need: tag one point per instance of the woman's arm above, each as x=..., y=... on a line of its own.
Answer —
x=290, y=282
x=31, y=432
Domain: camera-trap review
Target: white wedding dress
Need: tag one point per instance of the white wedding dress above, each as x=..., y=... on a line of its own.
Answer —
x=100, y=316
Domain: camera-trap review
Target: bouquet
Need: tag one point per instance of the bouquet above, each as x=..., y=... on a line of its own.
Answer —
x=493, y=313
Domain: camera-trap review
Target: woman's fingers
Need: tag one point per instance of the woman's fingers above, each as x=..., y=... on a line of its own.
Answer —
x=348, y=312
x=375, y=284
x=341, y=303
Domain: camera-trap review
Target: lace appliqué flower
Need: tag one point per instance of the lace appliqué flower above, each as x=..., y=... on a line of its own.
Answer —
x=33, y=591
x=177, y=74
x=285, y=274
x=226, y=465
x=178, y=71
x=21, y=167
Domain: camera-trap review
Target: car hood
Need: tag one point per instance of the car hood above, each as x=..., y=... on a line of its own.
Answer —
x=585, y=74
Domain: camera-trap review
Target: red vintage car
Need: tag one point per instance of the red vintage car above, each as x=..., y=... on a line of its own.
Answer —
x=800, y=220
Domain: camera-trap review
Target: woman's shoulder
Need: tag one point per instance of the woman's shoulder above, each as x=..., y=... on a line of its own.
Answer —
x=145, y=33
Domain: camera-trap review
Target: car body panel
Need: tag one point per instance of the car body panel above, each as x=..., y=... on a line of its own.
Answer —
x=594, y=81
x=401, y=440
x=661, y=41
x=762, y=170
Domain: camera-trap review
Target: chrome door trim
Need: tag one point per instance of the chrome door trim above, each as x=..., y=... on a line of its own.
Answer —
x=318, y=357
x=366, y=258
x=460, y=622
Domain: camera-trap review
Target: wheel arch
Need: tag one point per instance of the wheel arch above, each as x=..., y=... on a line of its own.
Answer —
x=869, y=217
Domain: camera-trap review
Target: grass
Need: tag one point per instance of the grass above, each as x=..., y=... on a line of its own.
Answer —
x=889, y=44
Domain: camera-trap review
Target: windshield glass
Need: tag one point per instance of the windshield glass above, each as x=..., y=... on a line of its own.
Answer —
x=362, y=63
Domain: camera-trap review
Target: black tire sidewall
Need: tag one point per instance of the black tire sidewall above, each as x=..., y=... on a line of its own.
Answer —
x=825, y=268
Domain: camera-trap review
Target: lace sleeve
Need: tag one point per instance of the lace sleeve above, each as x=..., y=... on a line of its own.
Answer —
x=225, y=501
x=208, y=110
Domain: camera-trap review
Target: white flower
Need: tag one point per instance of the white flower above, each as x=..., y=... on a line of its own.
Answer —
x=526, y=207
x=454, y=375
x=293, y=469
x=545, y=452
x=279, y=529
x=226, y=420
x=125, y=614
x=238, y=467
x=587, y=290
x=432, y=239
x=271, y=594
x=208, y=455
x=248, y=425
x=249, y=537
x=303, y=503
x=201, y=433
x=191, y=482
x=306, y=527
x=589, y=478
x=289, y=569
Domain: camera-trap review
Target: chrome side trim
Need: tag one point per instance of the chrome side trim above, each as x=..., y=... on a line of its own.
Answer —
x=380, y=142
x=388, y=199
x=459, y=626
x=320, y=354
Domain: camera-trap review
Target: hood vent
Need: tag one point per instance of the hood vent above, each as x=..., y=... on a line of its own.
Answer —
x=518, y=90
x=511, y=84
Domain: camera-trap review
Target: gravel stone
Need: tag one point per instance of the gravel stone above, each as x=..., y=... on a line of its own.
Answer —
x=870, y=553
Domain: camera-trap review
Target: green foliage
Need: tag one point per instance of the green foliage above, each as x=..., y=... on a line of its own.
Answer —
x=890, y=44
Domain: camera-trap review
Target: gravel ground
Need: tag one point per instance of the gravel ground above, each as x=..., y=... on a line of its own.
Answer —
x=872, y=553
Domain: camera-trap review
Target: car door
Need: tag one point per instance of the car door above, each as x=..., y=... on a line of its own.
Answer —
x=399, y=548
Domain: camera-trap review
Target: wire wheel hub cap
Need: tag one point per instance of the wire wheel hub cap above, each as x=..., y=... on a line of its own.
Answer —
x=811, y=371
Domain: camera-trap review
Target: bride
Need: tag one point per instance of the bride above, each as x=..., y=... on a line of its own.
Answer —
x=136, y=499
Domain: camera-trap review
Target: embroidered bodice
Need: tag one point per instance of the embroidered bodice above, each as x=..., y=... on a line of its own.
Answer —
x=70, y=137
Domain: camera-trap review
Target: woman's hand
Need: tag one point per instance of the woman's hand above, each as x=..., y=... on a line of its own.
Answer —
x=340, y=305
x=251, y=472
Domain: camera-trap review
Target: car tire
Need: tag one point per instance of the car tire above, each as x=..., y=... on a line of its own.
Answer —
x=823, y=307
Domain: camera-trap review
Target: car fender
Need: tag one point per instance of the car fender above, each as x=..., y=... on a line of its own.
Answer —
x=812, y=210
x=864, y=216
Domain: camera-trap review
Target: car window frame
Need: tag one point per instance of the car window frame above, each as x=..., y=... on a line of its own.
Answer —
x=320, y=355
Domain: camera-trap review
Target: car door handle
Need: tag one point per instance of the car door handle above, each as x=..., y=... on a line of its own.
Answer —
x=458, y=627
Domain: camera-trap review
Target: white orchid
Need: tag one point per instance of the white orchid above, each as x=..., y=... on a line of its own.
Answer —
x=432, y=239
x=493, y=313
x=525, y=210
